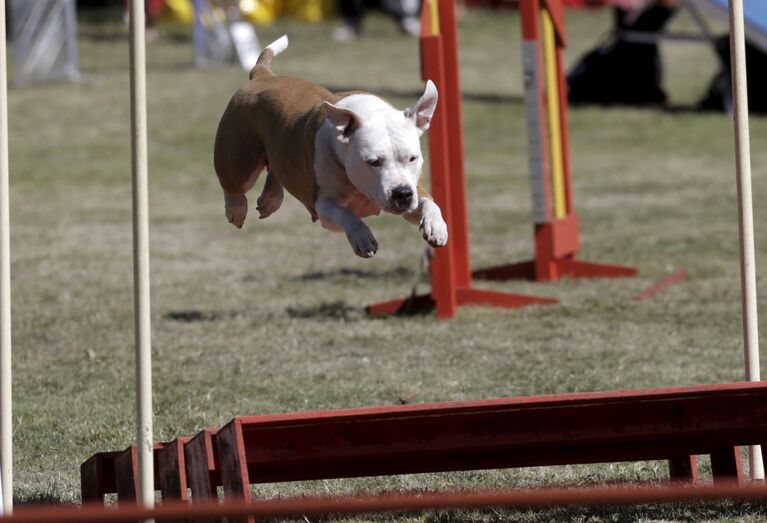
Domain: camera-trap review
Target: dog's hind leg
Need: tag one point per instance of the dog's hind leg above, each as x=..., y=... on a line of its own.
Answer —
x=237, y=172
x=235, y=208
x=235, y=201
x=271, y=196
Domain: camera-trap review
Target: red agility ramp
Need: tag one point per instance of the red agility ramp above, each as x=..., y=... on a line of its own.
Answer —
x=673, y=424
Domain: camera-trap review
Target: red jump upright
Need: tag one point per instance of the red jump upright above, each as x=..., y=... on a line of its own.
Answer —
x=556, y=226
x=451, y=278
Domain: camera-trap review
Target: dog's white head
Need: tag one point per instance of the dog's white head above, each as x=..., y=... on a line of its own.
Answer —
x=380, y=146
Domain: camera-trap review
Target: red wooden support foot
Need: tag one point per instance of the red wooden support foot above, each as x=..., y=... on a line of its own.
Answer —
x=171, y=470
x=573, y=268
x=97, y=476
x=683, y=468
x=126, y=475
x=508, y=300
x=233, y=464
x=726, y=464
x=468, y=296
x=554, y=270
x=201, y=469
x=662, y=284
x=89, y=480
x=100, y=473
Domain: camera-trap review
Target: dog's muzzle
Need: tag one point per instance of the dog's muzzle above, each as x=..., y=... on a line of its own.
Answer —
x=401, y=198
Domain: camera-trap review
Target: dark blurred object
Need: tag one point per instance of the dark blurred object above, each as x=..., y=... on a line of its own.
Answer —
x=404, y=12
x=719, y=95
x=585, y=3
x=506, y=4
x=619, y=71
x=85, y=4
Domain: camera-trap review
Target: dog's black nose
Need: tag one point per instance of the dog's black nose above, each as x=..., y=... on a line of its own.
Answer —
x=402, y=196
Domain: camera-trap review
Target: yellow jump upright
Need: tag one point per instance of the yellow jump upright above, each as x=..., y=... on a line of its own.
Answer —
x=553, y=111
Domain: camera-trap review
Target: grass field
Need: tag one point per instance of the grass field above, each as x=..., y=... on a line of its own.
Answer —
x=269, y=318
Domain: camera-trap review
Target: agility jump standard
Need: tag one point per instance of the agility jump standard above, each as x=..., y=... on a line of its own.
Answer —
x=451, y=278
x=556, y=226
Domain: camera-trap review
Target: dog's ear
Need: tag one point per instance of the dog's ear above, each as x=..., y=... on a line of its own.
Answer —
x=344, y=120
x=423, y=109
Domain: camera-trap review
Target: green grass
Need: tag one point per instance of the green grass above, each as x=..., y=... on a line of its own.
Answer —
x=269, y=318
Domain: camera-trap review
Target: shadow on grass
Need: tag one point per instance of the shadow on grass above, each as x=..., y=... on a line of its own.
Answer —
x=191, y=316
x=335, y=310
x=397, y=272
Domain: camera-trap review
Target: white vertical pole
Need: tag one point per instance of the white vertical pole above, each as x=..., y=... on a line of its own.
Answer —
x=745, y=210
x=6, y=418
x=141, y=254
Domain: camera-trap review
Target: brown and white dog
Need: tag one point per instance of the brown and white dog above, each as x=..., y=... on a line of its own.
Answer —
x=345, y=156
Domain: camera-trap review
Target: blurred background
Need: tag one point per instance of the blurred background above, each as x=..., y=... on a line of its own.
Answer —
x=623, y=65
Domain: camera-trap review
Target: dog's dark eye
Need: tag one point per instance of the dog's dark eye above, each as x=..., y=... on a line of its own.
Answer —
x=413, y=158
x=375, y=162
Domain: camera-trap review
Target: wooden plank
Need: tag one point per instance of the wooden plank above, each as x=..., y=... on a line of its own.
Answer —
x=232, y=462
x=126, y=475
x=97, y=476
x=89, y=480
x=171, y=470
x=101, y=470
x=201, y=470
x=511, y=432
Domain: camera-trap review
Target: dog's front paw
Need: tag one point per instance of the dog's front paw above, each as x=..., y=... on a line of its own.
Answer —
x=362, y=241
x=434, y=227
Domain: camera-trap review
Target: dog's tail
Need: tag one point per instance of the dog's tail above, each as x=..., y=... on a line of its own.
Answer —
x=269, y=52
